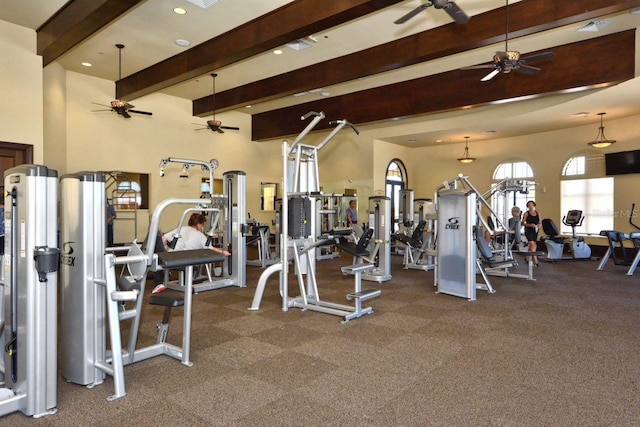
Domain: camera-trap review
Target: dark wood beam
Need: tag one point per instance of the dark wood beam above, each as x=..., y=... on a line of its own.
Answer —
x=290, y=22
x=76, y=21
x=601, y=61
x=525, y=18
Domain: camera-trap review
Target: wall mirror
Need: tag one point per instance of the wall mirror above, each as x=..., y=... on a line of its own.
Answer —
x=268, y=192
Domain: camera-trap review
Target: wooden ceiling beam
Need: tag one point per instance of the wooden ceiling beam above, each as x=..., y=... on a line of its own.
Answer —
x=525, y=18
x=585, y=64
x=290, y=22
x=76, y=21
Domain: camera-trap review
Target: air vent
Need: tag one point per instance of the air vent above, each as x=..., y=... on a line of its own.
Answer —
x=204, y=4
x=595, y=26
x=298, y=45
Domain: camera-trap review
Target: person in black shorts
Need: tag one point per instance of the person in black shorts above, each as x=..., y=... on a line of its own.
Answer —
x=531, y=221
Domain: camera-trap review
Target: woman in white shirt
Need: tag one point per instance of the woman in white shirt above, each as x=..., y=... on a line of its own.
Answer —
x=191, y=237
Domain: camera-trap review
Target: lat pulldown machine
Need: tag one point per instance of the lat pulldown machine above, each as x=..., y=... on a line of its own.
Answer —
x=300, y=231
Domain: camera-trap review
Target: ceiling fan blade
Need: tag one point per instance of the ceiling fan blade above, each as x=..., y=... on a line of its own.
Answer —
x=477, y=67
x=456, y=13
x=146, y=113
x=123, y=113
x=528, y=69
x=230, y=127
x=490, y=75
x=538, y=57
x=102, y=105
x=411, y=14
x=219, y=130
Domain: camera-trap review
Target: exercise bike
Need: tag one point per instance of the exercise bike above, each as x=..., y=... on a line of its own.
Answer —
x=579, y=249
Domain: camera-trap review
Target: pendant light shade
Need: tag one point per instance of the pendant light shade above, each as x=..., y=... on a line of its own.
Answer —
x=601, y=140
x=465, y=157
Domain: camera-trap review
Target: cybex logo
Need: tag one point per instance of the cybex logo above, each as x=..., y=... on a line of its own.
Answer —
x=65, y=257
x=453, y=223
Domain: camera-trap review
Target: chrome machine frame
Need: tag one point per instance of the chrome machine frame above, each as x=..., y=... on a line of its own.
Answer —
x=299, y=236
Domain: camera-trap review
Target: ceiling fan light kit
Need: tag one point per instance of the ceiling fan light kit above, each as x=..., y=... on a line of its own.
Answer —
x=466, y=159
x=213, y=124
x=601, y=140
x=122, y=108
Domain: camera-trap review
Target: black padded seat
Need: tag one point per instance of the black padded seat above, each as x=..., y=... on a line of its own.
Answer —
x=359, y=249
x=551, y=231
x=415, y=240
x=167, y=300
x=178, y=259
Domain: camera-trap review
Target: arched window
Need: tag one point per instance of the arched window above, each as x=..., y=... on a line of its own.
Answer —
x=515, y=169
x=584, y=186
x=396, y=180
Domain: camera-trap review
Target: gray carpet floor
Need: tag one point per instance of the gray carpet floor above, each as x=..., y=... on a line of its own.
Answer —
x=563, y=350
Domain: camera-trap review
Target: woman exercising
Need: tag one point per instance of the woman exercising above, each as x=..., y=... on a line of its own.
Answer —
x=531, y=221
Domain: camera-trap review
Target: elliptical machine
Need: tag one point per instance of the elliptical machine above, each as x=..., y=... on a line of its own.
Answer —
x=579, y=249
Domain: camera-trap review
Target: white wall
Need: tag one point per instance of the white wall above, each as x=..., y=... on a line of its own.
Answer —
x=21, y=109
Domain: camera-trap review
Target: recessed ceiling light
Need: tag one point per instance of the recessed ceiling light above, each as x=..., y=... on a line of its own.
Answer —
x=300, y=94
x=490, y=132
x=412, y=140
x=438, y=140
x=580, y=114
x=325, y=94
x=87, y=64
x=183, y=43
x=179, y=11
x=247, y=106
x=277, y=52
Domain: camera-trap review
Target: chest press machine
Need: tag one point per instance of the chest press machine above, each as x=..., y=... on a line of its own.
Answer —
x=300, y=232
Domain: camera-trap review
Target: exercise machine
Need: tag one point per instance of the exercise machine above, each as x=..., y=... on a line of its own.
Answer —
x=28, y=313
x=618, y=239
x=462, y=252
x=419, y=252
x=381, y=221
x=456, y=260
x=228, y=212
x=300, y=231
x=578, y=248
x=96, y=298
x=82, y=238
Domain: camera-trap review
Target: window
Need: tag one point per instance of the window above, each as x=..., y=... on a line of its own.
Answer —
x=128, y=190
x=395, y=181
x=584, y=187
x=516, y=169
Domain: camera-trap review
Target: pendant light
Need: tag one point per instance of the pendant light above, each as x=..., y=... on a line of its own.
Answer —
x=466, y=158
x=601, y=141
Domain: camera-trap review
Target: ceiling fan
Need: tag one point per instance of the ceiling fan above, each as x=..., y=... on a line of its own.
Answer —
x=123, y=108
x=448, y=6
x=509, y=60
x=213, y=124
